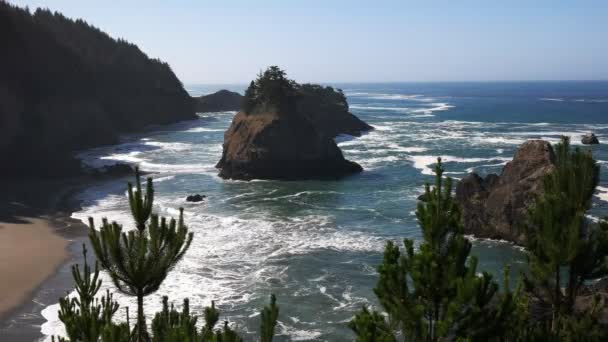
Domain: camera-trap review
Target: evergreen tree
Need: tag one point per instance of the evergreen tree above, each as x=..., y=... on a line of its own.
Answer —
x=269, y=320
x=87, y=318
x=170, y=325
x=139, y=260
x=434, y=292
x=250, y=98
x=564, y=249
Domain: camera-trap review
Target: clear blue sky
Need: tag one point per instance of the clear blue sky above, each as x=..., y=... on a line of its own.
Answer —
x=222, y=41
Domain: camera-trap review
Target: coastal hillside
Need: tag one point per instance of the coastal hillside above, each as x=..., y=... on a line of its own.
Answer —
x=66, y=85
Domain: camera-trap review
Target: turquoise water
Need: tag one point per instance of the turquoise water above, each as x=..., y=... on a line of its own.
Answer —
x=316, y=244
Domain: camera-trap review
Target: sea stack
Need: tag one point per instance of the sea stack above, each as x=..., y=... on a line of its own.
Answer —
x=496, y=207
x=278, y=133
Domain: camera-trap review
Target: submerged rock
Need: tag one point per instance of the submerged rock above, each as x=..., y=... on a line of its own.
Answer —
x=223, y=100
x=496, y=207
x=590, y=139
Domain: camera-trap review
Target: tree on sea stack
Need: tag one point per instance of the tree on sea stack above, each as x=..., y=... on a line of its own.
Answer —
x=434, y=292
x=565, y=249
x=139, y=260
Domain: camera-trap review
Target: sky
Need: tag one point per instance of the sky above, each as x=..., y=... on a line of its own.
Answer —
x=222, y=41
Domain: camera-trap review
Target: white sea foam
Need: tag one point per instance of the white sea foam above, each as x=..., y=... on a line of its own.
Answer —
x=436, y=107
x=231, y=255
x=378, y=96
x=202, y=129
x=423, y=162
x=592, y=100
x=551, y=99
x=602, y=193
x=170, y=146
x=395, y=109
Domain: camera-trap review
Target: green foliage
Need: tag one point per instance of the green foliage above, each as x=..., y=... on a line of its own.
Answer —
x=87, y=90
x=269, y=316
x=272, y=88
x=434, y=293
x=139, y=260
x=87, y=318
x=565, y=249
x=170, y=325
x=371, y=327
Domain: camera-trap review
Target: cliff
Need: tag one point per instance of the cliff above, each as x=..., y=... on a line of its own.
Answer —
x=497, y=206
x=66, y=86
x=327, y=109
x=274, y=146
x=220, y=101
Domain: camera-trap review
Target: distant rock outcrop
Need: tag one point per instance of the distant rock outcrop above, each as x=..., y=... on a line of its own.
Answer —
x=496, y=207
x=223, y=100
x=66, y=85
x=590, y=139
x=280, y=133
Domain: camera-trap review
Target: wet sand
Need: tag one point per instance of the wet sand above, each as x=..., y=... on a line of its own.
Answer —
x=30, y=251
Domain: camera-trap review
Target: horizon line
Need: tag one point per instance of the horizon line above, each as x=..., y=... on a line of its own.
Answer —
x=401, y=82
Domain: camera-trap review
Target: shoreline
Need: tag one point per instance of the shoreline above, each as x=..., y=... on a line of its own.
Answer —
x=31, y=251
x=43, y=209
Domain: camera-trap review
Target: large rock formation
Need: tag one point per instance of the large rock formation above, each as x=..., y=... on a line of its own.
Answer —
x=220, y=101
x=66, y=85
x=285, y=131
x=497, y=207
x=283, y=146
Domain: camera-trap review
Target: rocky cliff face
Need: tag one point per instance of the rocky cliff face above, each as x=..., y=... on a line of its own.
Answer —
x=220, y=101
x=66, y=86
x=328, y=111
x=496, y=206
x=286, y=146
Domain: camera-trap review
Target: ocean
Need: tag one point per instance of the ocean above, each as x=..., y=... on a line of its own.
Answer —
x=316, y=244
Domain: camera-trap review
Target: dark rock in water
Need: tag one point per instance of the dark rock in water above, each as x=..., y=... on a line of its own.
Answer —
x=280, y=146
x=590, y=139
x=327, y=109
x=223, y=100
x=497, y=207
x=195, y=198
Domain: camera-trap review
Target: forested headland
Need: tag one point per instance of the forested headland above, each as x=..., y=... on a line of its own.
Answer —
x=66, y=85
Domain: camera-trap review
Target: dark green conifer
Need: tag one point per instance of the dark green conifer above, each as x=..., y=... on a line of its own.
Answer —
x=85, y=317
x=139, y=260
x=269, y=316
x=434, y=292
x=565, y=249
x=170, y=325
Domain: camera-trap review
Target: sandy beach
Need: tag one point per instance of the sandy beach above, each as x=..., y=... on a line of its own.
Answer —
x=39, y=242
x=30, y=251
